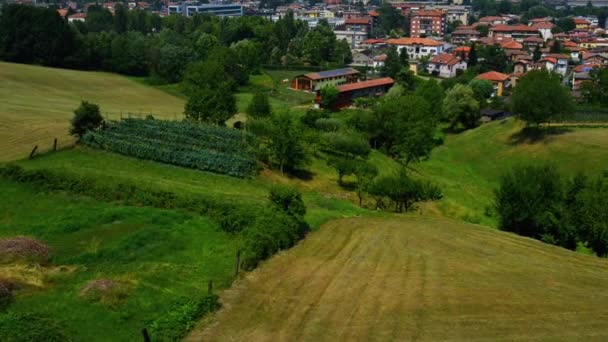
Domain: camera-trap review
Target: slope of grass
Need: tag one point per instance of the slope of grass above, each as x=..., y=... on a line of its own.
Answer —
x=164, y=256
x=415, y=278
x=36, y=104
x=468, y=165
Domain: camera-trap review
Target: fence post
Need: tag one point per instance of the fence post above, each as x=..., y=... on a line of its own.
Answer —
x=210, y=286
x=33, y=151
x=238, y=262
x=144, y=332
x=55, y=144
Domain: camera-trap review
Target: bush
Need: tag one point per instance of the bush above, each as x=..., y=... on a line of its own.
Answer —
x=176, y=323
x=312, y=115
x=347, y=144
x=86, y=117
x=32, y=327
x=287, y=199
x=22, y=248
x=328, y=125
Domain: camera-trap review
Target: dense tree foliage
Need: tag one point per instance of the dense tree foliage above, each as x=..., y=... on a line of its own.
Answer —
x=86, y=117
x=536, y=201
x=595, y=91
x=286, y=141
x=482, y=90
x=461, y=107
x=329, y=96
x=259, y=107
x=540, y=96
x=141, y=43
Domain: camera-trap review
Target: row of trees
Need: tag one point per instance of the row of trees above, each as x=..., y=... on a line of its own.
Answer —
x=536, y=201
x=141, y=43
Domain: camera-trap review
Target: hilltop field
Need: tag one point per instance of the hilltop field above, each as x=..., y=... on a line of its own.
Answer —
x=441, y=271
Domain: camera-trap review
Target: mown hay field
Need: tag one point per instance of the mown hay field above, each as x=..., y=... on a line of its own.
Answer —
x=415, y=278
x=36, y=104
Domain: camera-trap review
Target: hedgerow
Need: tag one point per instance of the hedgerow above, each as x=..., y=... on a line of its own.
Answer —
x=206, y=148
x=175, y=323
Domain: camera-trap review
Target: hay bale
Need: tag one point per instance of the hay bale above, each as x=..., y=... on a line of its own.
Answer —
x=22, y=248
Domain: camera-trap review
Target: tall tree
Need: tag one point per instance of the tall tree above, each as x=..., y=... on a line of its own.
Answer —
x=460, y=107
x=259, y=107
x=390, y=18
x=211, y=105
x=120, y=18
x=392, y=63
x=286, y=144
x=540, y=96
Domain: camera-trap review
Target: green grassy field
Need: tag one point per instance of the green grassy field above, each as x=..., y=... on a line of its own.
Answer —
x=36, y=104
x=415, y=278
x=163, y=257
x=468, y=165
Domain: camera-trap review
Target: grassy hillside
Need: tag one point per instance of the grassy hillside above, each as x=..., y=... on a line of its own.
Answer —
x=161, y=258
x=468, y=165
x=416, y=278
x=36, y=103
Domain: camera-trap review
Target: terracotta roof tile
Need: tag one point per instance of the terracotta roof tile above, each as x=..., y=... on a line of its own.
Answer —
x=365, y=84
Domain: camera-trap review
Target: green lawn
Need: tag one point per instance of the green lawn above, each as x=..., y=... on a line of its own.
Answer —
x=163, y=257
x=36, y=104
x=468, y=165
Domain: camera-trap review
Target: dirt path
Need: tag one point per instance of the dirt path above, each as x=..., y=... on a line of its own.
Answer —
x=415, y=279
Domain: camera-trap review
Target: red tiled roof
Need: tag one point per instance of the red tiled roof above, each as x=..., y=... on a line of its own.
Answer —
x=445, y=58
x=423, y=13
x=374, y=13
x=557, y=56
x=373, y=41
x=511, y=45
x=331, y=73
x=513, y=28
x=62, y=12
x=550, y=59
x=493, y=76
x=357, y=21
x=414, y=41
x=463, y=49
x=380, y=58
x=465, y=31
x=540, y=26
x=579, y=21
x=534, y=39
x=365, y=84
x=78, y=15
x=490, y=19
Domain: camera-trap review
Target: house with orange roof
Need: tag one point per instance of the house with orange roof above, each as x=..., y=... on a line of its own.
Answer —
x=533, y=42
x=582, y=24
x=446, y=65
x=417, y=48
x=493, y=20
x=516, y=32
x=314, y=81
x=464, y=35
x=499, y=80
x=545, y=30
x=559, y=61
x=77, y=17
x=462, y=52
x=63, y=12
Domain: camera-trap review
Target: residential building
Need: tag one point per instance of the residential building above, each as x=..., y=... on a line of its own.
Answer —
x=446, y=65
x=517, y=32
x=77, y=17
x=347, y=93
x=314, y=81
x=378, y=62
x=418, y=47
x=545, y=30
x=533, y=42
x=499, y=80
x=559, y=61
x=222, y=10
x=428, y=24
x=493, y=20
x=582, y=23
x=354, y=38
x=463, y=36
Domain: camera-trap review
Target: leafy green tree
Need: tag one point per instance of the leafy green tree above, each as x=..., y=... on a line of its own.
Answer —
x=120, y=18
x=259, y=107
x=171, y=63
x=342, y=54
x=287, y=199
x=566, y=24
x=433, y=93
x=472, y=56
x=286, y=144
x=329, y=96
x=343, y=166
x=493, y=58
x=540, y=96
x=529, y=202
x=537, y=54
x=319, y=44
x=86, y=117
x=482, y=90
x=460, y=107
x=404, y=127
x=593, y=215
x=595, y=91
x=556, y=47
x=392, y=63
x=204, y=74
x=347, y=144
x=365, y=173
x=390, y=18
x=211, y=105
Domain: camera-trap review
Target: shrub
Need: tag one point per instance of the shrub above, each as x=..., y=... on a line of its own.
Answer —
x=105, y=291
x=328, y=124
x=349, y=144
x=6, y=293
x=86, y=117
x=32, y=327
x=287, y=199
x=174, y=324
x=312, y=115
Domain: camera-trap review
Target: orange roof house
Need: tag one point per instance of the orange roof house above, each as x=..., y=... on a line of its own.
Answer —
x=498, y=79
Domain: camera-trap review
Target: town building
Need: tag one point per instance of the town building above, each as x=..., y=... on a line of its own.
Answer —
x=347, y=93
x=446, y=65
x=464, y=36
x=499, y=81
x=222, y=10
x=428, y=24
x=418, y=47
x=556, y=62
x=314, y=81
x=516, y=32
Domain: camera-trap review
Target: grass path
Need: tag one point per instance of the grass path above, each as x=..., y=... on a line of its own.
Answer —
x=36, y=103
x=415, y=278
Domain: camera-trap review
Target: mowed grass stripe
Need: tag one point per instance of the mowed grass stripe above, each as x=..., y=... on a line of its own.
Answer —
x=36, y=104
x=415, y=278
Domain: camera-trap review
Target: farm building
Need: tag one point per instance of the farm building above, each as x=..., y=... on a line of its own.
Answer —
x=314, y=81
x=348, y=92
